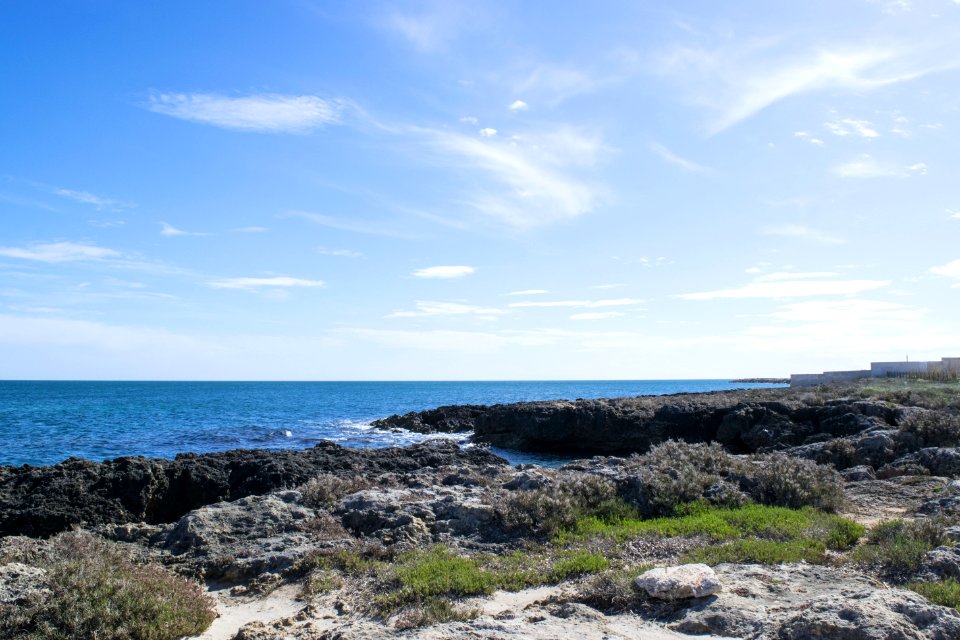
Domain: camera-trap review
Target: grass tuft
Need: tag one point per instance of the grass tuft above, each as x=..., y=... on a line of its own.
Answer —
x=946, y=593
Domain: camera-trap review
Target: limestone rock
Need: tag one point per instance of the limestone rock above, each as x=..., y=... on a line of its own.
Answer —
x=20, y=583
x=683, y=581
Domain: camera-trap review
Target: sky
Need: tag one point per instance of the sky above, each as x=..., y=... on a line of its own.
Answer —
x=308, y=190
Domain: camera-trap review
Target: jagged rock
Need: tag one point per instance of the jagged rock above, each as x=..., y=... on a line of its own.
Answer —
x=800, y=602
x=938, y=461
x=527, y=481
x=41, y=501
x=859, y=474
x=952, y=533
x=20, y=584
x=948, y=506
x=942, y=562
x=420, y=515
x=234, y=541
x=683, y=581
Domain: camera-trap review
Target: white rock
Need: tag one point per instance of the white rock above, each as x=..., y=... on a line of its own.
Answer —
x=684, y=581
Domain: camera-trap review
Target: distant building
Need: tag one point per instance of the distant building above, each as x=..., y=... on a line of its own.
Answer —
x=878, y=370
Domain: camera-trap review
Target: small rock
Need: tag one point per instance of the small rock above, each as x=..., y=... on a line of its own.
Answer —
x=684, y=581
x=20, y=583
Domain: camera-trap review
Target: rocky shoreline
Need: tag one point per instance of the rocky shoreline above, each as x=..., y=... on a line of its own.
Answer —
x=825, y=513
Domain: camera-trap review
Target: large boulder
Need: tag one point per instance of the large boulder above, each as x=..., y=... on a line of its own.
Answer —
x=676, y=583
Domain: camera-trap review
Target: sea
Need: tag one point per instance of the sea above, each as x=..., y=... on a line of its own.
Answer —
x=45, y=422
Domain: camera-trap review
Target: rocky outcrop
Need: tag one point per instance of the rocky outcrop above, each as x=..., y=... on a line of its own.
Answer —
x=45, y=500
x=744, y=421
x=799, y=601
x=20, y=584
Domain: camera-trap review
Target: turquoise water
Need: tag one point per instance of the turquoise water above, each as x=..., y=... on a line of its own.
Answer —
x=46, y=422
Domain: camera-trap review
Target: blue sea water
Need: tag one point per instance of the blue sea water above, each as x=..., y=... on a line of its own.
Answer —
x=46, y=422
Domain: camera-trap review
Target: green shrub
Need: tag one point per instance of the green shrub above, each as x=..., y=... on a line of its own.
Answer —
x=898, y=547
x=795, y=483
x=758, y=521
x=760, y=551
x=560, y=504
x=946, y=593
x=932, y=429
x=577, y=564
x=98, y=592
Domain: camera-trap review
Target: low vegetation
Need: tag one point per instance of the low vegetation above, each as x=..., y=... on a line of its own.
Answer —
x=896, y=548
x=96, y=591
x=945, y=592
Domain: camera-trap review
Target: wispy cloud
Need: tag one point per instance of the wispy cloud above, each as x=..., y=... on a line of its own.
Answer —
x=528, y=292
x=427, y=308
x=171, y=231
x=434, y=28
x=518, y=105
x=259, y=283
x=954, y=214
x=949, y=270
x=59, y=252
x=597, y=315
x=583, y=304
x=866, y=166
x=803, y=232
x=674, y=159
x=340, y=253
x=271, y=112
x=488, y=132
x=848, y=126
x=534, y=177
x=443, y=272
x=789, y=289
x=86, y=197
x=850, y=312
x=791, y=275
x=253, y=229
x=805, y=135
x=373, y=227
x=744, y=77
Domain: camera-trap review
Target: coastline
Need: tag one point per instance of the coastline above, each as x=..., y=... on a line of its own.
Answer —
x=334, y=540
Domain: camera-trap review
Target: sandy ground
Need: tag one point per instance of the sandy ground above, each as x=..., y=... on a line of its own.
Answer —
x=233, y=613
x=505, y=615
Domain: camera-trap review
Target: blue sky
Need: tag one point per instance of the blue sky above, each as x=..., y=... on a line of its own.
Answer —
x=445, y=190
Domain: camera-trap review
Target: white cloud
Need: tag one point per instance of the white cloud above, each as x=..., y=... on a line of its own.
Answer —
x=920, y=168
x=256, y=283
x=804, y=135
x=866, y=166
x=518, y=105
x=59, y=252
x=598, y=315
x=949, y=270
x=376, y=228
x=435, y=28
x=740, y=79
x=444, y=272
x=790, y=289
x=585, y=304
x=954, y=213
x=88, y=198
x=848, y=126
x=533, y=176
x=252, y=230
x=803, y=232
x=427, y=308
x=171, y=231
x=274, y=113
x=469, y=120
x=851, y=313
x=487, y=132
x=528, y=292
x=789, y=275
x=340, y=253
x=674, y=159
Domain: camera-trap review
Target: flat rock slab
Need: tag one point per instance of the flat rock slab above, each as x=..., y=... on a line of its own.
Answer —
x=800, y=601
